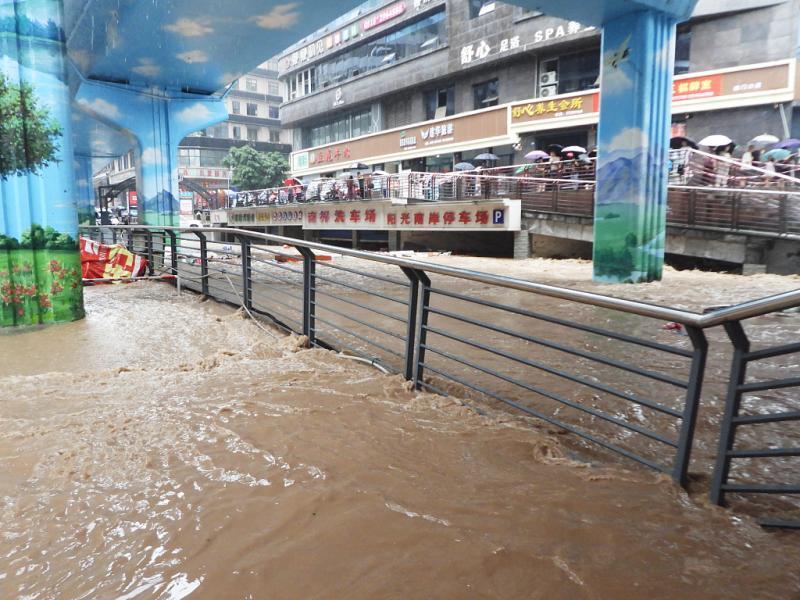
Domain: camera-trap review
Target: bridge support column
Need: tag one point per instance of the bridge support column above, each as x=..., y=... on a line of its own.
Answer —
x=522, y=244
x=159, y=123
x=40, y=271
x=633, y=141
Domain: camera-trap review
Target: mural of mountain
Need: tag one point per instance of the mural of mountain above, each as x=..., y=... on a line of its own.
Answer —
x=617, y=179
x=24, y=26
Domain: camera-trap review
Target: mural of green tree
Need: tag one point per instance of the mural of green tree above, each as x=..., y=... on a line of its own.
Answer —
x=254, y=170
x=28, y=135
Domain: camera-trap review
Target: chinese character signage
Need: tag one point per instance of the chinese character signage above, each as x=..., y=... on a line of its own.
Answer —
x=385, y=15
x=696, y=87
x=478, y=51
x=555, y=108
x=276, y=215
x=478, y=216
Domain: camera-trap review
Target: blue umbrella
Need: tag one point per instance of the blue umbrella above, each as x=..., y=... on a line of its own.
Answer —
x=464, y=166
x=777, y=154
x=788, y=144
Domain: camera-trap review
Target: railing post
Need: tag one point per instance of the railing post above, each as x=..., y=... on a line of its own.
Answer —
x=782, y=213
x=309, y=293
x=247, y=273
x=130, y=241
x=411, y=322
x=173, y=251
x=690, y=217
x=733, y=399
x=735, y=210
x=680, y=470
x=114, y=236
x=423, y=306
x=149, y=248
x=554, y=198
x=203, y=261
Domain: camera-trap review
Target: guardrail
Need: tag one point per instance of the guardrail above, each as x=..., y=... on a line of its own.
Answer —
x=590, y=364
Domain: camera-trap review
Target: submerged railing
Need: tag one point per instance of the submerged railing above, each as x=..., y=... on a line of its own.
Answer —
x=599, y=367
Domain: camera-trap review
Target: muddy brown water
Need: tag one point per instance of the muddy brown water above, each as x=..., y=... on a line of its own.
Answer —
x=165, y=447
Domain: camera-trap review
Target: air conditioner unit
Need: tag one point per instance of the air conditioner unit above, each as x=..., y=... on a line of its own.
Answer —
x=548, y=78
x=548, y=90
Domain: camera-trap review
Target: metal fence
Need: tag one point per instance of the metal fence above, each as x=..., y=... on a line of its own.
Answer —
x=596, y=366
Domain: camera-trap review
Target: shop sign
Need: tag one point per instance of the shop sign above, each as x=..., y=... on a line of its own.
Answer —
x=441, y=133
x=500, y=216
x=696, y=87
x=475, y=217
x=264, y=216
x=338, y=97
x=344, y=216
x=383, y=16
x=329, y=155
x=420, y=3
x=407, y=141
x=555, y=108
x=133, y=199
x=482, y=49
x=186, y=206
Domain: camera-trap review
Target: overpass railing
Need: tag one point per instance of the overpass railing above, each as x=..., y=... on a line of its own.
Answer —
x=767, y=209
x=612, y=372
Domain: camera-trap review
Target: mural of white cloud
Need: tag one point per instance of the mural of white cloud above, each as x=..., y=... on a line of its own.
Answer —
x=197, y=112
x=189, y=28
x=629, y=138
x=100, y=107
x=146, y=68
x=614, y=81
x=193, y=56
x=151, y=156
x=282, y=16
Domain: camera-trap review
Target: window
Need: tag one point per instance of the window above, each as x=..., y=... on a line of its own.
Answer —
x=274, y=111
x=421, y=36
x=252, y=109
x=303, y=83
x=252, y=134
x=486, y=94
x=251, y=85
x=574, y=72
x=273, y=89
x=236, y=108
x=478, y=8
x=440, y=102
x=218, y=131
x=274, y=136
x=237, y=132
x=683, y=42
x=342, y=128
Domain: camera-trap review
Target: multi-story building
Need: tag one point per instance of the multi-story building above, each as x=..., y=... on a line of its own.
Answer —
x=253, y=103
x=425, y=84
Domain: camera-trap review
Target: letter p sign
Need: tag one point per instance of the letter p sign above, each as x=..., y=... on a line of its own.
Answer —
x=498, y=216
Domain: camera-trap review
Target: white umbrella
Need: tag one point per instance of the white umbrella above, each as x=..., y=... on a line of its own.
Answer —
x=713, y=141
x=575, y=149
x=765, y=139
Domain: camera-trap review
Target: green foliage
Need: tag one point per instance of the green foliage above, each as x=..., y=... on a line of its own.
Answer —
x=8, y=243
x=254, y=170
x=617, y=262
x=38, y=237
x=28, y=135
x=631, y=241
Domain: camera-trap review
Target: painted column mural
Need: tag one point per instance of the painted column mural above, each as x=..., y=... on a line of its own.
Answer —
x=633, y=142
x=40, y=271
x=158, y=123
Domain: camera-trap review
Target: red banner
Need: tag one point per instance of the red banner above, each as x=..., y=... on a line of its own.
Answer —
x=99, y=261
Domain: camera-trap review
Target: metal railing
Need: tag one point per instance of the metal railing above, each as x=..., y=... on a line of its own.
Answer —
x=596, y=366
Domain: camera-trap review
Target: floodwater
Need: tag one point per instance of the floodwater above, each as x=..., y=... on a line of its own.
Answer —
x=165, y=447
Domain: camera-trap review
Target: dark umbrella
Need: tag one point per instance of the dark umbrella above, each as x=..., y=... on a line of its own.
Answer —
x=676, y=143
x=487, y=156
x=788, y=144
x=464, y=166
x=358, y=166
x=557, y=148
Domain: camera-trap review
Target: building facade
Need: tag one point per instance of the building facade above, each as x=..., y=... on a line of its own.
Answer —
x=425, y=84
x=253, y=102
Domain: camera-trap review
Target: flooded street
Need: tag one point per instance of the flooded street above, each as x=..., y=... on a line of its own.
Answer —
x=166, y=447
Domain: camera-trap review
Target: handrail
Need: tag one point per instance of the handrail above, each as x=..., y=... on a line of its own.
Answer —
x=744, y=310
